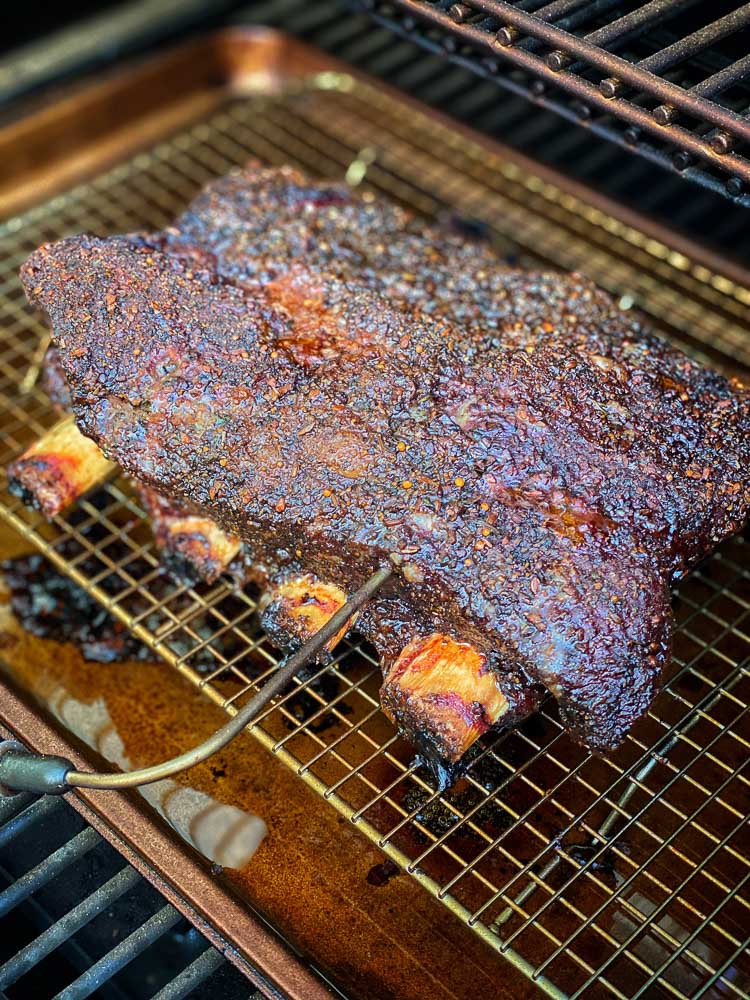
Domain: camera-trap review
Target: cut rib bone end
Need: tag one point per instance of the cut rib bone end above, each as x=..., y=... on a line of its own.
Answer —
x=191, y=546
x=443, y=690
x=195, y=548
x=299, y=607
x=58, y=469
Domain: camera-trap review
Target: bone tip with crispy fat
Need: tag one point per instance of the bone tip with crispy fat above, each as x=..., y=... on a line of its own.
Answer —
x=196, y=549
x=191, y=546
x=58, y=469
x=444, y=690
x=297, y=608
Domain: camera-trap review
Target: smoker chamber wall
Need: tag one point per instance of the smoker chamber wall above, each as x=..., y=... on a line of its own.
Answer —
x=622, y=877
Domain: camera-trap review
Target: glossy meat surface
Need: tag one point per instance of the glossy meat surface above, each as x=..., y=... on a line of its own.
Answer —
x=538, y=467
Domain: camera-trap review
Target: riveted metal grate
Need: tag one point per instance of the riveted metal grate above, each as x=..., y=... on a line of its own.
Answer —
x=666, y=77
x=621, y=877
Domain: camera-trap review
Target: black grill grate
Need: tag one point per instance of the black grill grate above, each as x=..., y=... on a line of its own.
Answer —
x=667, y=77
x=76, y=920
x=570, y=147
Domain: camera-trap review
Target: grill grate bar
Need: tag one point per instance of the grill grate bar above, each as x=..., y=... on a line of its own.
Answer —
x=605, y=61
x=633, y=25
x=577, y=55
x=595, y=8
x=13, y=804
x=696, y=42
x=620, y=32
x=121, y=955
x=554, y=11
x=66, y=926
x=33, y=813
x=102, y=939
x=47, y=870
x=712, y=85
x=201, y=969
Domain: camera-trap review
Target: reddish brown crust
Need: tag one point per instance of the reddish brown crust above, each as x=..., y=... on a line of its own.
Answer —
x=192, y=547
x=538, y=464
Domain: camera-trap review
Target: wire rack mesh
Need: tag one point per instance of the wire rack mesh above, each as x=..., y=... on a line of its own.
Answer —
x=619, y=877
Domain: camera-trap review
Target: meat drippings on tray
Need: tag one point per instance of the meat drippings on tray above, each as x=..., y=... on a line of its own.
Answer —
x=51, y=606
x=337, y=385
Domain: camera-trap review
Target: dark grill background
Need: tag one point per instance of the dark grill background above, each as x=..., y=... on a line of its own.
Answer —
x=677, y=69
x=542, y=134
x=341, y=28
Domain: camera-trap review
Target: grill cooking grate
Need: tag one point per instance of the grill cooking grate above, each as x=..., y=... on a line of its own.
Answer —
x=76, y=920
x=630, y=872
x=666, y=77
x=545, y=135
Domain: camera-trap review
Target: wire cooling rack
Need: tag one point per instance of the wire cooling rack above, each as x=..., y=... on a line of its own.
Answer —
x=621, y=877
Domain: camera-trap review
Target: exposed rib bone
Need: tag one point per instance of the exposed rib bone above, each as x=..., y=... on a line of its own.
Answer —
x=63, y=465
x=58, y=469
x=442, y=689
x=191, y=546
x=299, y=607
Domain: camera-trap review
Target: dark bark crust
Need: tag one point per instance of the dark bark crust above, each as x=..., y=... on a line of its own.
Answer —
x=340, y=385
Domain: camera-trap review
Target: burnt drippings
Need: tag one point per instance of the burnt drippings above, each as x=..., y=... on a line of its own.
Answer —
x=304, y=706
x=440, y=816
x=433, y=815
x=602, y=863
x=381, y=874
x=52, y=606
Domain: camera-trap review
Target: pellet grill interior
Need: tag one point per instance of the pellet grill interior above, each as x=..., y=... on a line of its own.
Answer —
x=626, y=876
x=667, y=78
